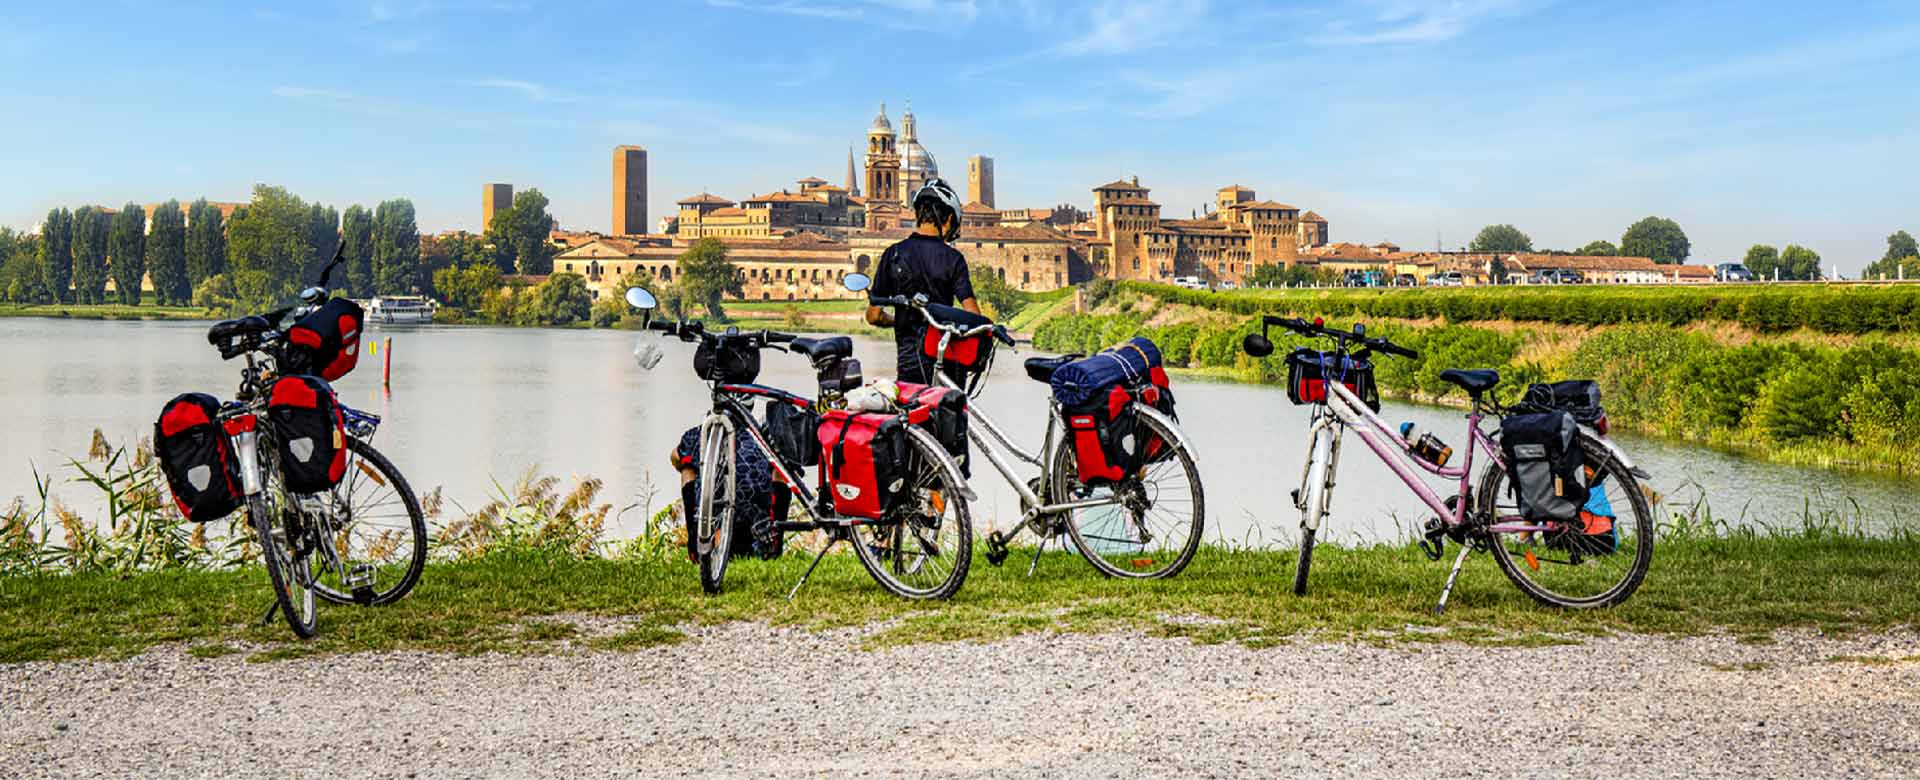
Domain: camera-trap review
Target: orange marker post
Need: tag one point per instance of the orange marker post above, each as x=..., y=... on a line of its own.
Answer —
x=386, y=378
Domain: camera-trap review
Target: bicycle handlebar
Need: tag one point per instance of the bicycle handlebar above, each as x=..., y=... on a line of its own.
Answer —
x=695, y=330
x=919, y=303
x=1315, y=329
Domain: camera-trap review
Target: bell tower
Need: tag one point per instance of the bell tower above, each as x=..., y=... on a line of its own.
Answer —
x=883, y=173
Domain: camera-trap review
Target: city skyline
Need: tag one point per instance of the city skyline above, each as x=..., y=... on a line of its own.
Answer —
x=1401, y=121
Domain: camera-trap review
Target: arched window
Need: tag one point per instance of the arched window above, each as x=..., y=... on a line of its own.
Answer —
x=860, y=264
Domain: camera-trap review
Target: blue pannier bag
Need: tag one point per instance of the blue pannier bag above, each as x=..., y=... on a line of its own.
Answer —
x=1132, y=364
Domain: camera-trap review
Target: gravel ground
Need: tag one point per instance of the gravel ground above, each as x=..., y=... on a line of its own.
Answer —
x=752, y=700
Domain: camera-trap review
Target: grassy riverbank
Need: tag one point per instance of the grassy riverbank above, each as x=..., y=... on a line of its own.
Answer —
x=533, y=601
x=104, y=311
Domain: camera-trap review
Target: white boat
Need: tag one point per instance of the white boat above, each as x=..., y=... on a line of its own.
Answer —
x=400, y=310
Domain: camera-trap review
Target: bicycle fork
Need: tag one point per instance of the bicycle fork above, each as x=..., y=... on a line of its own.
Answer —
x=1310, y=517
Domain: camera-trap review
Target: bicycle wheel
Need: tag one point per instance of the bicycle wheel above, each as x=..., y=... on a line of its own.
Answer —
x=715, y=516
x=920, y=550
x=286, y=564
x=1303, y=562
x=1153, y=528
x=378, y=532
x=1571, y=569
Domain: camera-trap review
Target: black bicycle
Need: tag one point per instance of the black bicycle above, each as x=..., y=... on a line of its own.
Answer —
x=363, y=540
x=920, y=544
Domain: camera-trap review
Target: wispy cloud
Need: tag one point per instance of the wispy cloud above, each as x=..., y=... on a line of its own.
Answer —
x=791, y=8
x=534, y=91
x=1415, y=21
x=902, y=14
x=1126, y=26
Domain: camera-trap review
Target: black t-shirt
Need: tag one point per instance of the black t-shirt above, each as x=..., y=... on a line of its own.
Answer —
x=919, y=264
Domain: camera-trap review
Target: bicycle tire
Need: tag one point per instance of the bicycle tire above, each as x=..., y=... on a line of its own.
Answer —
x=417, y=523
x=1597, y=453
x=879, y=544
x=714, y=481
x=281, y=571
x=1080, y=523
x=1303, y=561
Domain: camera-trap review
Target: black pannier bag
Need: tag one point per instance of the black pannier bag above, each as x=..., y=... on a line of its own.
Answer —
x=1308, y=372
x=734, y=364
x=198, y=458
x=326, y=342
x=310, y=436
x=942, y=411
x=1545, y=465
x=1578, y=397
x=794, y=432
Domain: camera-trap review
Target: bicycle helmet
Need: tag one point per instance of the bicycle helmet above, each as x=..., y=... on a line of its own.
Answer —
x=937, y=201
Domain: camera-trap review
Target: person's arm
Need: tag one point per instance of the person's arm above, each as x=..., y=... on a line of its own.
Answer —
x=963, y=287
x=882, y=286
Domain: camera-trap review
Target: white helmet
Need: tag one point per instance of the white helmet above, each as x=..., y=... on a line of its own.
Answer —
x=944, y=203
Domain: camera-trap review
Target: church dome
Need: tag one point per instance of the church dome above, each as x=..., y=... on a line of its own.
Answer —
x=880, y=123
x=919, y=159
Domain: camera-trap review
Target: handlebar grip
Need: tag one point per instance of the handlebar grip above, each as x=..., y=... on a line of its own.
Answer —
x=1000, y=332
x=773, y=337
x=887, y=300
x=1395, y=349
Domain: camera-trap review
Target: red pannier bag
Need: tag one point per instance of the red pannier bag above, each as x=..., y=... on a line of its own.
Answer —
x=971, y=354
x=197, y=457
x=863, y=461
x=942, y=411
x=309, y=433
x=326, y=342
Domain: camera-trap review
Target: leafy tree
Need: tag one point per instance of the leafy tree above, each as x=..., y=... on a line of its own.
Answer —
x=271, y=239
x=707, y=276
x=459, y=250
x=323, y=237
x=20, y=278
x=1600, y=249
x=1762, y=259
x=1501, y=238
x=1658, y=238
x=56, y=255
x=206, y=247
x=994, y=291
x=468, y=288
x=1799, y=263
x=1901, y=249
x=520, y=234
x=396, y=247
x=215, y=293
x=1275, y=275
x=128, y=247
x=356, y=235
x=167, y=255
x=564, y=299
x=89, y=254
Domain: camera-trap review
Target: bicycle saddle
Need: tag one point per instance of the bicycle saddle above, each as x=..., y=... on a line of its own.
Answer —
x=227, y=329
x=1473, y=380
x=1041, y=368
x=822, y=349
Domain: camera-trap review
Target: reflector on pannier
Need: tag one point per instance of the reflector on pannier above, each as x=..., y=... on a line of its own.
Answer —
x=198, y=458
x=325, y=342
x=864, y=458
x=1545, y=465
x=309, y=433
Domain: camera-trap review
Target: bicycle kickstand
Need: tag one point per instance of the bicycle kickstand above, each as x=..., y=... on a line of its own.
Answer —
x=831, y=541
x=1040, y=548
x=272, y=609
x=1452, y=577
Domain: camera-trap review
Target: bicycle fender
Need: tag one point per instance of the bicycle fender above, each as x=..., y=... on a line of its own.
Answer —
x=1179, y=436
x=1616, y=452
x=944, y=459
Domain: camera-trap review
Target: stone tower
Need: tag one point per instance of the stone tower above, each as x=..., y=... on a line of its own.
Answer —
x=916, y=163
x=629, y=191
x=853, y=179
x=493, y=197
x=1125, y=216
x=883, y=174
x=980, y=179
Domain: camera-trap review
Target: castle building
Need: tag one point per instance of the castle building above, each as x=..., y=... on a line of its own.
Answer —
x=818, y=207
x=980, y=180
x=494, y=198
x=629, y=190
x=800, y=267
x=1242, y=233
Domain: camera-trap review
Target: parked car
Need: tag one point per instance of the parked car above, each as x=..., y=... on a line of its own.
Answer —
x=1405, y=280
x=1363, y=279
x=1732, y=272
x=1561, y=276
x=1190, y=282
x=1446, y=279
x=1225, y=286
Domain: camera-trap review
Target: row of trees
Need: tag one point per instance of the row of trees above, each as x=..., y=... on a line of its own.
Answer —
x=1658, y=238
x=1795, y=263
x=1902, y=260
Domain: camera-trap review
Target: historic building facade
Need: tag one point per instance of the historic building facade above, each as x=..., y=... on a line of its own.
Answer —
x=818, y=207
x=1132, y=241
x=1033, y=258
x=801, y=267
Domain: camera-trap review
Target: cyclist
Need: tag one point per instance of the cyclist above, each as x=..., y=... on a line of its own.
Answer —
x=925, y=263
x=758, y=504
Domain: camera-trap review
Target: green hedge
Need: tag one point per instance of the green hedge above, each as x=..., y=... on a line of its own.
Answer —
x=1851, y=309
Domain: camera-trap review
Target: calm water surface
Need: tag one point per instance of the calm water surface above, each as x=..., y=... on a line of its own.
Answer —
x=472, y=406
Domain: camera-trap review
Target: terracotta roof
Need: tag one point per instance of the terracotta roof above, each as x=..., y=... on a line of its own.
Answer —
x=781, y=197
x=704, y=198
x=1121, y=184
x=1312, y=217
x=1691, y=270
x=1586, y=262
x=857, y=200
x=731, y=211
x=812, y=180
x=1263, y=205
x=976, y=207
x=807, y=239
x=1234, y=188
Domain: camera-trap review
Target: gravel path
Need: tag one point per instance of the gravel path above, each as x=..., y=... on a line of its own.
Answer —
x=771, y=701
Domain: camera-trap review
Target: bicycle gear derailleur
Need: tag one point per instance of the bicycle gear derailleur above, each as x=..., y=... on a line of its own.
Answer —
x=1434, y=535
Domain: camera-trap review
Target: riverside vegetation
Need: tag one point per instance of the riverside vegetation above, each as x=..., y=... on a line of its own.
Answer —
x=532, y=571
x=1810, y=374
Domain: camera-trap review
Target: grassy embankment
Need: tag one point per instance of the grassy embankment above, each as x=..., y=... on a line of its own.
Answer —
x=1810, y=374
x=106, y=311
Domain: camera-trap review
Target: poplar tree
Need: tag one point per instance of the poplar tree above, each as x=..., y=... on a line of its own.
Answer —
x=206, y=243
x=128, y=249
x=396, y=247
x=56, y=255
x=167, y=255
x=356, y=231
x=89, y=254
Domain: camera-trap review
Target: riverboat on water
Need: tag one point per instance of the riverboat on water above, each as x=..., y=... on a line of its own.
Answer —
x=399, y=310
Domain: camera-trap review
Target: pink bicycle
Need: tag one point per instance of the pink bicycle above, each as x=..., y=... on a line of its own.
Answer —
x=1596, y=560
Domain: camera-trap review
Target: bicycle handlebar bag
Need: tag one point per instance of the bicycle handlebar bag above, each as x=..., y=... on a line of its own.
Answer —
x=197, y=457
x=310, y=435
x=1578, y=397
x=1545, y=465
x=732, y=363
x=1308, y=371
x=326, y=342
x=942, y=411
x=972, y=353
x=864, y=461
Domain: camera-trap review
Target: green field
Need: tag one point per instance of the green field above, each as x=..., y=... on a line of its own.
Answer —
x=106, y=311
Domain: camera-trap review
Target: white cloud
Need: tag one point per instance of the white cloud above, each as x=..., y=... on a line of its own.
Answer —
x=1415, y=21
x=790, y=8
x=1125, y=26
x=533, y=91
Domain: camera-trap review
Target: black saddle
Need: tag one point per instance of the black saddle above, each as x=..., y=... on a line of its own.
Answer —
x=1042, y=368
x=225, y=330
x=1473, y=380
x=823, y=349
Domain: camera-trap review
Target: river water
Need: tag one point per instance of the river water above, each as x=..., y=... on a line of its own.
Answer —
x=470, y=406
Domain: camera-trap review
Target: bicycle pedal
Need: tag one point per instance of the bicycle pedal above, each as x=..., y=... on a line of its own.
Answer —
x=360, y=576
x=363, y=595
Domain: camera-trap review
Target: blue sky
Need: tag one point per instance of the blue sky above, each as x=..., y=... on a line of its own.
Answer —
x=1401, y=120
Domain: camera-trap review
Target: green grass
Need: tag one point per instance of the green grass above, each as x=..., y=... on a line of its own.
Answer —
x=106, y=311
x=1746, y=586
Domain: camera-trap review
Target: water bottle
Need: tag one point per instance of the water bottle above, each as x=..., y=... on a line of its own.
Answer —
x=1424, y=445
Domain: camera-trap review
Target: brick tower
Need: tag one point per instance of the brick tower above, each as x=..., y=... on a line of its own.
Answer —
x=980, y=179
x=493, y=197
x=883, y=174
x=629, y=191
